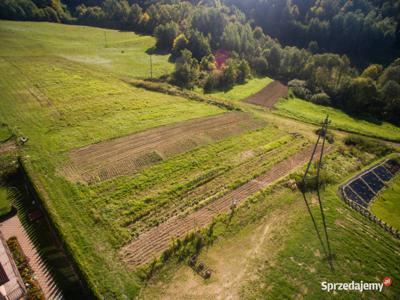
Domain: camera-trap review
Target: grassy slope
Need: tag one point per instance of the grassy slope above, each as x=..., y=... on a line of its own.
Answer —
x=125, y=53
x=309, y=112
x=363, y=251
x=288, y=261
x=387, y=206
x=4, y=133
x=243, y=91
x=89, y=106
x=219, y=167
x=62, y=104
x=5, y=205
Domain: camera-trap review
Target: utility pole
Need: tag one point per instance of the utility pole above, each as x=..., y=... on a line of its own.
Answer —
x=322, y=133
x=151, y=66
x=105, y=39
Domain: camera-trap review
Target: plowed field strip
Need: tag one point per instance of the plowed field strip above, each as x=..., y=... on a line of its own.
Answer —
x=151, y=243
x=128, y=154
x=269, y=95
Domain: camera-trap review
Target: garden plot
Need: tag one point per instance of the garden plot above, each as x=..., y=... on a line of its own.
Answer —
x=130, y=154
x=269, y=95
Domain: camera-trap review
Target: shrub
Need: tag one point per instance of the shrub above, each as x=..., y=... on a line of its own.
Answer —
x=260, y=65
x=329, y=136
x=367, y=145
x=321, y=99
x=310, y=182
x=299, y=88
x=165, y=35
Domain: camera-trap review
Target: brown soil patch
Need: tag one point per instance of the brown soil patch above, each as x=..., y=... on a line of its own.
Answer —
x=8, y=147
x=153, y=242
x=269, y=95
x=127, y=155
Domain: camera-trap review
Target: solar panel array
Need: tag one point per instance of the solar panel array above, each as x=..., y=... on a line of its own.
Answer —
x=364, y=188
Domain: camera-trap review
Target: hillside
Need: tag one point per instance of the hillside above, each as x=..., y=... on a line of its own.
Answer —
x=135, y=171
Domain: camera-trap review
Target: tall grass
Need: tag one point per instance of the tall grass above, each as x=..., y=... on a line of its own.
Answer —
x=309, y=112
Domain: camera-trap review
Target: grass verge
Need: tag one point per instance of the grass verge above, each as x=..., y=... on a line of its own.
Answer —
x=5, y=204
x=312, y=113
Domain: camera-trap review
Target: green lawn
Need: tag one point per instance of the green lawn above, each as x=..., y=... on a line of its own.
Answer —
x=269, y=248
x=387, y=206
x=243, y=91
x=60, y=104
x=4, y=133
x=5, y=205
x=124, y=54
x=309, y=112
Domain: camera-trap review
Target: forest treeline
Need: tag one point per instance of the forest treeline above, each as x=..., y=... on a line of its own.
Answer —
x=215, y=46
x=366, y=30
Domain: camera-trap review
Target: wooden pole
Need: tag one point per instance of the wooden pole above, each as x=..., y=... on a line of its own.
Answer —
x=151, y=67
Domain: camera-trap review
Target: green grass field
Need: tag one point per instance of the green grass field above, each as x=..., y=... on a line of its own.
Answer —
x=61, y=104
x=269, y=249
x=387, y=206
x=309, y=112
x=124, y=53
x=5, y=205
x=4, y=133
x=242, y=91
x=61, y=88
x=130, y=204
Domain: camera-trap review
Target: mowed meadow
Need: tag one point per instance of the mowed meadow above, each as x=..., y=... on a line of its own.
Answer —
x=64, y=87
x=312, y=113
x=123, y=53
x=61, y=104
x=57, y=91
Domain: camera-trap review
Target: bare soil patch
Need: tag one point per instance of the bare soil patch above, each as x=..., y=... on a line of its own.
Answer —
x=153, y=242
x=130, y=154
x=269, y=95
x=8, y=146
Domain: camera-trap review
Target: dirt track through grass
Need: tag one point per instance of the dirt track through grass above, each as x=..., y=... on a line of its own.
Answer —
x=269, y=95
x=127, y=155
x=156, y=240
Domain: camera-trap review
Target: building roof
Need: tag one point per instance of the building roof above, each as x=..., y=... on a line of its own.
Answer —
x=11, y=284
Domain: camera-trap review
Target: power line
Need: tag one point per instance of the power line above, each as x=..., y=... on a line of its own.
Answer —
x=321, y=133
x=324, y=131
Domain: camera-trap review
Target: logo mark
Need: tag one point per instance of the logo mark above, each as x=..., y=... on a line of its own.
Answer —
x=387, y=281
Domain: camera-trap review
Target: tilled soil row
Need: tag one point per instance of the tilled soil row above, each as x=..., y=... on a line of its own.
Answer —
x=269, y=95
x=153, y=242
x=209, y=190
x=132, y=153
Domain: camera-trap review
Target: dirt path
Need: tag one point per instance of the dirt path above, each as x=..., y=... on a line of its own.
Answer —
x=13, y=227
x=234, y=261
x=153, y=242
x=8, y=146
x=269, y=95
